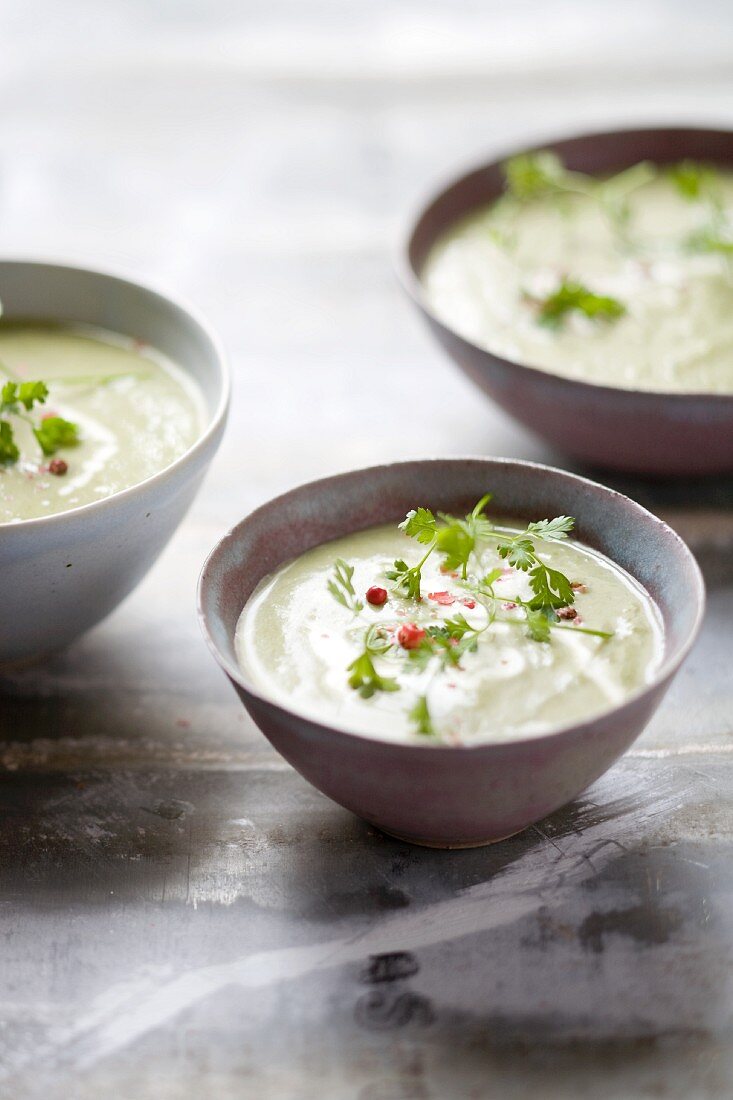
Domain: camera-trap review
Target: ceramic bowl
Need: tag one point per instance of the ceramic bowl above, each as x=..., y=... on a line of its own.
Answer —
x=60, y=574
x=662, y=434
x=445, y=796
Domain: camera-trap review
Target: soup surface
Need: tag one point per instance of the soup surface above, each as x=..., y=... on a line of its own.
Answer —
x=132, y=413
x=625, y=282
x=460, y=665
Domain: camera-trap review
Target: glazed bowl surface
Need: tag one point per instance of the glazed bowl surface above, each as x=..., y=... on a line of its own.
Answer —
x=633, y=430
x=438, y=795
x=61, y=574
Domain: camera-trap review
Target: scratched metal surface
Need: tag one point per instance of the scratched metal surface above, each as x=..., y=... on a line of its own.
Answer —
x=181, y=915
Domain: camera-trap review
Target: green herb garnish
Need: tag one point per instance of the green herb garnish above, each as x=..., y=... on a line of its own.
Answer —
x=457, y=539
x=442, y=645
x=364, y=677
x=711, y=240
x=534, y=175
x=54, y=432
x=341, y=586
x=17, y=399
x=551, y=588
x=420, y=715
x=573, y=297
x=9, y=452
x=693, y=181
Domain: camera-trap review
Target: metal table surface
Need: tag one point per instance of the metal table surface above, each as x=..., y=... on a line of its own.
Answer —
x=180, y=914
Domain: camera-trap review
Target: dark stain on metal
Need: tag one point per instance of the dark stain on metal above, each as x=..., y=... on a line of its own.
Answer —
x=389, y=967
x=368, y=899
x=383, y=1010
x=170, y=808
x=646, y=925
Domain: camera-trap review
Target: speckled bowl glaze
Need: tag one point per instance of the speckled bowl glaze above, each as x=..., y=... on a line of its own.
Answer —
x=660, y=434
x=443, y=796
x=61, y=574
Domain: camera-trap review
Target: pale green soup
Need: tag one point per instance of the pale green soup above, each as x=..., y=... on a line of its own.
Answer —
x=666, y=259
x=295, y=642
x=136, y=412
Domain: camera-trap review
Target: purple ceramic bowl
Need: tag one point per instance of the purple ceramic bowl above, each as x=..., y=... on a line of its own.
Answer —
x=437, y=795
x=662, y=434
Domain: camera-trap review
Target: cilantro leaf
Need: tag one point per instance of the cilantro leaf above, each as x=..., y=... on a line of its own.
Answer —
x=531, y=175
x=551, y=587
x=8, y=396
x=30, y=393
x=54, y=432
x=574, y=297
x=341, y=586
x=453, y=639
x=457, y=538
x=551, y=530
x=538, y=624
x=692, y=180
x=408, y=579
x=457, y=544
x=365, y=679
x=419, y=524
x=9, y=452
x=420, y=657
x=520, y=553
x=51, y=433
x=26, y=394
x=420, y=715
x=457, y=627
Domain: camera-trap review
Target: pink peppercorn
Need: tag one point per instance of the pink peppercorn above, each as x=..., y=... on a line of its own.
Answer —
x=376, y=596
x=443, y=598
x=410, y=636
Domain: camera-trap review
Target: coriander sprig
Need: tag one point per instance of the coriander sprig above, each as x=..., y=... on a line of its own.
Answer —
x=574, y=297
x=17, y=400
x=420, y=715
x=364, y=677
x=534, y=175
x=342, y=588
x=551, y=588
x=441, y=646
x=457, y=539
x=447, y=641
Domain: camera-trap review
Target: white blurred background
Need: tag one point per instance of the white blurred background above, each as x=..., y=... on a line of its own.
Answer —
x=259, y=158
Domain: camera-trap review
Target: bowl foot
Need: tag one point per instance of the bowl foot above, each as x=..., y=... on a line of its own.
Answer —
x=441, y=844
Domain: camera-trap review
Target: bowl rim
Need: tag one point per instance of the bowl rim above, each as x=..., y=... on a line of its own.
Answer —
x=202, y=441
x=666, y=669
x=410, y=281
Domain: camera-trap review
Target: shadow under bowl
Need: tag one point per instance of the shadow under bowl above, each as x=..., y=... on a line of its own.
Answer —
x=61, y=574
x=637, y=431
x=437, y=795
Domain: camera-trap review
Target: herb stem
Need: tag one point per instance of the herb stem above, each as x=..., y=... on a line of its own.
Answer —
x=97, y=380
x=560, y=626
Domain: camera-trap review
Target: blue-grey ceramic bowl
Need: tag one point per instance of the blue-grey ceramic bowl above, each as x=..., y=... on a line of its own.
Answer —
x=61, y=574
x=438, y=795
